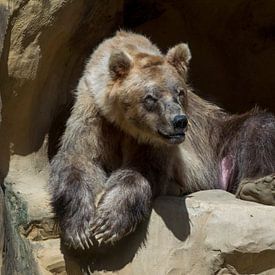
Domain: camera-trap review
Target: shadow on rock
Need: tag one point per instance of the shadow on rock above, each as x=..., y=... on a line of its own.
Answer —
x=174, y=213
x=171, y=210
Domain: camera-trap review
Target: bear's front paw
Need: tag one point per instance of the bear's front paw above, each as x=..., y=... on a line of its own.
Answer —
x=76, y=226
x=112, y=222
x=79, y=237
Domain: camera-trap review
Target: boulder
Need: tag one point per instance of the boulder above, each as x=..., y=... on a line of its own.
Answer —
x=208, y=232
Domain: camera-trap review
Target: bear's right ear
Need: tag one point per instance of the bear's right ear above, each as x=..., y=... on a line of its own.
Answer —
x=179, y=56
x=119, y=64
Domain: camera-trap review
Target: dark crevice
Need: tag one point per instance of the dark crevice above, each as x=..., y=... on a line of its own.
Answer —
x=250, y=263
x=137, y=12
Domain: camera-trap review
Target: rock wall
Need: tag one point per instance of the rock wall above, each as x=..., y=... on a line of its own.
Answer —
x=43, y=47
x=1, y=227
x=43, y=52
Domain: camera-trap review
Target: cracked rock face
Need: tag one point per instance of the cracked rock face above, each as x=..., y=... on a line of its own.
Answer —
x=43, y=48
x=208, y=232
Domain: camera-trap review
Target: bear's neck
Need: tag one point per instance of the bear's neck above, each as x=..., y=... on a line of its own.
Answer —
x=201, y=147
x=205, y=121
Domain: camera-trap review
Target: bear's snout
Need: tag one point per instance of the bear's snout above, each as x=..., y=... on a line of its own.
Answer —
x=180, y=122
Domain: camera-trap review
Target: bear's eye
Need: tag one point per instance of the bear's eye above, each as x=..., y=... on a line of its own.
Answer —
x=180, y=91
x=150, y=99
x=150, y=102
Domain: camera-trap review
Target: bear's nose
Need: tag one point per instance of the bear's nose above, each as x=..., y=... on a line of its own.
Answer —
x=180, y=122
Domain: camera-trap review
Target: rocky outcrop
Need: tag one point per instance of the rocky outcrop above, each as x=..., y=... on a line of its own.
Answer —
x=208, y=232
x=43, y=47
x=32, y=244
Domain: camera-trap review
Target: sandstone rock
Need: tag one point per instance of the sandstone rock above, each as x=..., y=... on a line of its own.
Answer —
x=1, y=226
x=208, y=232
x=4, y=12
x=202, y=234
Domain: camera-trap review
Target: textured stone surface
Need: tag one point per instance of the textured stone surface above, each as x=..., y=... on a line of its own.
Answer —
x=1, y=226
x=207, y=232
x=4, y=12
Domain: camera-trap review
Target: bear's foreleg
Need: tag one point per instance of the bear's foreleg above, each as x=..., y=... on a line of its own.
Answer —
x=77, y=173
x=126, y=202
x=73, y=193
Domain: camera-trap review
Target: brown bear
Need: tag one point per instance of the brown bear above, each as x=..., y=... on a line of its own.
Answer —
x=138, y=131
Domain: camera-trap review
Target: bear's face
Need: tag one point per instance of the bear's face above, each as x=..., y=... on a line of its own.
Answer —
x=148, y=99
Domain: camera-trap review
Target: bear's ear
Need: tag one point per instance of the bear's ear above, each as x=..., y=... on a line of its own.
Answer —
x=179, y=56
x=119, y=64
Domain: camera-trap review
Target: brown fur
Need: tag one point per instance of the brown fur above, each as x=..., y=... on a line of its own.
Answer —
x=122, y=139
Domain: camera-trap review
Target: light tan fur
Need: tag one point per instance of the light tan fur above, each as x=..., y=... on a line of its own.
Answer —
x=123, y=138
x=193, y=158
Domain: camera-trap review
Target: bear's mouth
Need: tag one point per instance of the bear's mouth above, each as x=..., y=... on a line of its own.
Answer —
x=175, y=138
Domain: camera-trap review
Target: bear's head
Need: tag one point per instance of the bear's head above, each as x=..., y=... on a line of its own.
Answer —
x=147, y=98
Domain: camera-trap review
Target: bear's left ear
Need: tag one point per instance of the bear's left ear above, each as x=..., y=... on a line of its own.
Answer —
x=119, y=64
x=179, y=56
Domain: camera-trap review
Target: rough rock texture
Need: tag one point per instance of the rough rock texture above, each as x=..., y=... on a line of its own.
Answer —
x=32, y=244
x=221, y=232
x=208, y=232
x=43, y=47
x=1, y=226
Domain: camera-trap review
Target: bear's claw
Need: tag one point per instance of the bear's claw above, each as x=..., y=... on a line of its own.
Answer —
x=79, y=240
x=110, y=230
